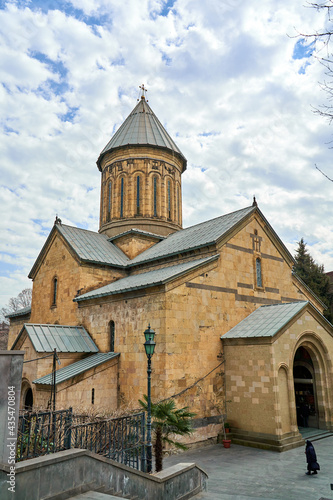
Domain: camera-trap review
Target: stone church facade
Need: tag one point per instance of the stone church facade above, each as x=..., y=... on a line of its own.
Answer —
x=237, y=332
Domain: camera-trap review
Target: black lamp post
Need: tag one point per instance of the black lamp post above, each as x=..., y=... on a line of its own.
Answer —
x=149, y=348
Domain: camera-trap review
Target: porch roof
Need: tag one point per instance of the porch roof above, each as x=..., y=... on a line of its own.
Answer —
x=76, y=368
x=266, y=321
x=46, y=338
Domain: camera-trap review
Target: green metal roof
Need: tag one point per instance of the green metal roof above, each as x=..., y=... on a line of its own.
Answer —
x=89, y=246
x=139, y=232
x=200, y=235
x=76, y=368
x=266, y=321
x=144, y=280
x=46, y=338
x=93, y=247
x=20, y=312
x=142, y=127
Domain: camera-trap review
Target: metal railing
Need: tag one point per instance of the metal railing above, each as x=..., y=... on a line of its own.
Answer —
x=121, y=439
x=41, y=433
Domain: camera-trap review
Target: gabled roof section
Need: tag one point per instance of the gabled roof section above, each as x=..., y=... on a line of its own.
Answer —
x=141, y=127
x=21, y=312
x=93, y=247
x=191, y=238
x=144, y=280
x=266, y=321
x=139, y=232
x=46, y=338
x=87, y=245
x=76, y=368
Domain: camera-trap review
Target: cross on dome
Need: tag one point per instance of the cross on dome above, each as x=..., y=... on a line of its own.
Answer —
x=143, y=90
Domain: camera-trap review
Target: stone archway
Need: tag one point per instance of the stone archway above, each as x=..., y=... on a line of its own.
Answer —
x=305, y=389
x=313, y=360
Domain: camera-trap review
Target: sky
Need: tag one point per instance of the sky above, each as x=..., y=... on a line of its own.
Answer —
x=231, y=81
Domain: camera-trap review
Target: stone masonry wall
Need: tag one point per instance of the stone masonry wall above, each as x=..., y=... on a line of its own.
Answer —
x=146, y=163
x=71, y=277
x=260, y=383
x=94, y=389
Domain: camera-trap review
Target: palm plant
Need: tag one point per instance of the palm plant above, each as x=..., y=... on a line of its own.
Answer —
x=168, y=421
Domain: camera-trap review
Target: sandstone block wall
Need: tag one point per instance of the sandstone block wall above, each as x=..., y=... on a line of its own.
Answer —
x=162, y=215
x=260, y=383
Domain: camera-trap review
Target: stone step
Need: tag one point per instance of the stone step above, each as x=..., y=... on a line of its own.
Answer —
x=94, y=495
x=72, y=493
x=98, y=495
x=321, y=436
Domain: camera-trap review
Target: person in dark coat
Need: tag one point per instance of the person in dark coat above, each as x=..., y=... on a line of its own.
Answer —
x=311, y=459
x=305, y=412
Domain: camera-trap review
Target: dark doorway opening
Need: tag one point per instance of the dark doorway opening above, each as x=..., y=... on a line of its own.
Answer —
x=28, y=400
x=305, y=389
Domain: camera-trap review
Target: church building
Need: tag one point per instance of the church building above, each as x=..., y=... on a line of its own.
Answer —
x=237, y=332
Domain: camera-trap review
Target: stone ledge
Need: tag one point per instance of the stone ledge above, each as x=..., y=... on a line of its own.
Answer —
x=266, y=441
x=53, y=476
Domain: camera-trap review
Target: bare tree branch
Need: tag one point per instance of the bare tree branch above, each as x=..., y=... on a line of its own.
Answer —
x=324, y=174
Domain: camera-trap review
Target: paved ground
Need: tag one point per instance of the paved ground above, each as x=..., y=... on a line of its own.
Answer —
x=242, y=473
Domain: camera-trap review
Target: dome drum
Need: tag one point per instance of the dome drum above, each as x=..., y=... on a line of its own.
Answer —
x=141, y=182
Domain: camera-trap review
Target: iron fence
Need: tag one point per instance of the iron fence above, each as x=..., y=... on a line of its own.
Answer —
x=41, y=433
x=121, y=439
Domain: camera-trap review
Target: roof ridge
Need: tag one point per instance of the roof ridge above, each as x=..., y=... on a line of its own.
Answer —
x=215, y=218
x=80, y=229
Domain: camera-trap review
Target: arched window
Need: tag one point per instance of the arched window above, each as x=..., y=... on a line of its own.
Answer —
x=178, y=205
x=109, y=200
x=258, y=272
x=169, y=200
x=122, y=197
x=155, y=196
x=54, y=291
x=112, y=333
x=138, y=195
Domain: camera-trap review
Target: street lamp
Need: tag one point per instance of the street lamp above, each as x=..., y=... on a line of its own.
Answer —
x=149, y=348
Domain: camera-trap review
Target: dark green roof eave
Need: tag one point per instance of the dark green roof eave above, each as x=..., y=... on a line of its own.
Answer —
x=161, y=282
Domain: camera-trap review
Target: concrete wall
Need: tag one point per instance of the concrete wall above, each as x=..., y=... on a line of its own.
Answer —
x=45, y=477
x=11, y=363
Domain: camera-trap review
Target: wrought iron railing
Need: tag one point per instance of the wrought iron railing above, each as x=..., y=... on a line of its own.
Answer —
x=40, y=433
x=121, y=439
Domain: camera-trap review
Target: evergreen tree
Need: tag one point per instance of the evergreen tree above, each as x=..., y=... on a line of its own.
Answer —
x=314, y=277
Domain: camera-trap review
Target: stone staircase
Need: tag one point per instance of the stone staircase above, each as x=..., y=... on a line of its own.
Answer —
x=313, y=434
x=91, y=491
x=98, y=495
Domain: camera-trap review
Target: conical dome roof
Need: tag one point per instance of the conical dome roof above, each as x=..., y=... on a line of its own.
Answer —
x=141, y=127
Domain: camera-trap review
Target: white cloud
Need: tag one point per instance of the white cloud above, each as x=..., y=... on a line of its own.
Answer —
x=221, y=78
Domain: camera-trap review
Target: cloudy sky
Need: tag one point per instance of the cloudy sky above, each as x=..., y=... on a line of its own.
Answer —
x=227, y=78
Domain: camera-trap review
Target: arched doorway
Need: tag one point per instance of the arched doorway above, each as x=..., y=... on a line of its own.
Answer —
x=305, y=389
x=28, y=399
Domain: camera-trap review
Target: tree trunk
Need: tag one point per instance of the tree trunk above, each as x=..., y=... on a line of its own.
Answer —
x=158, y=447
